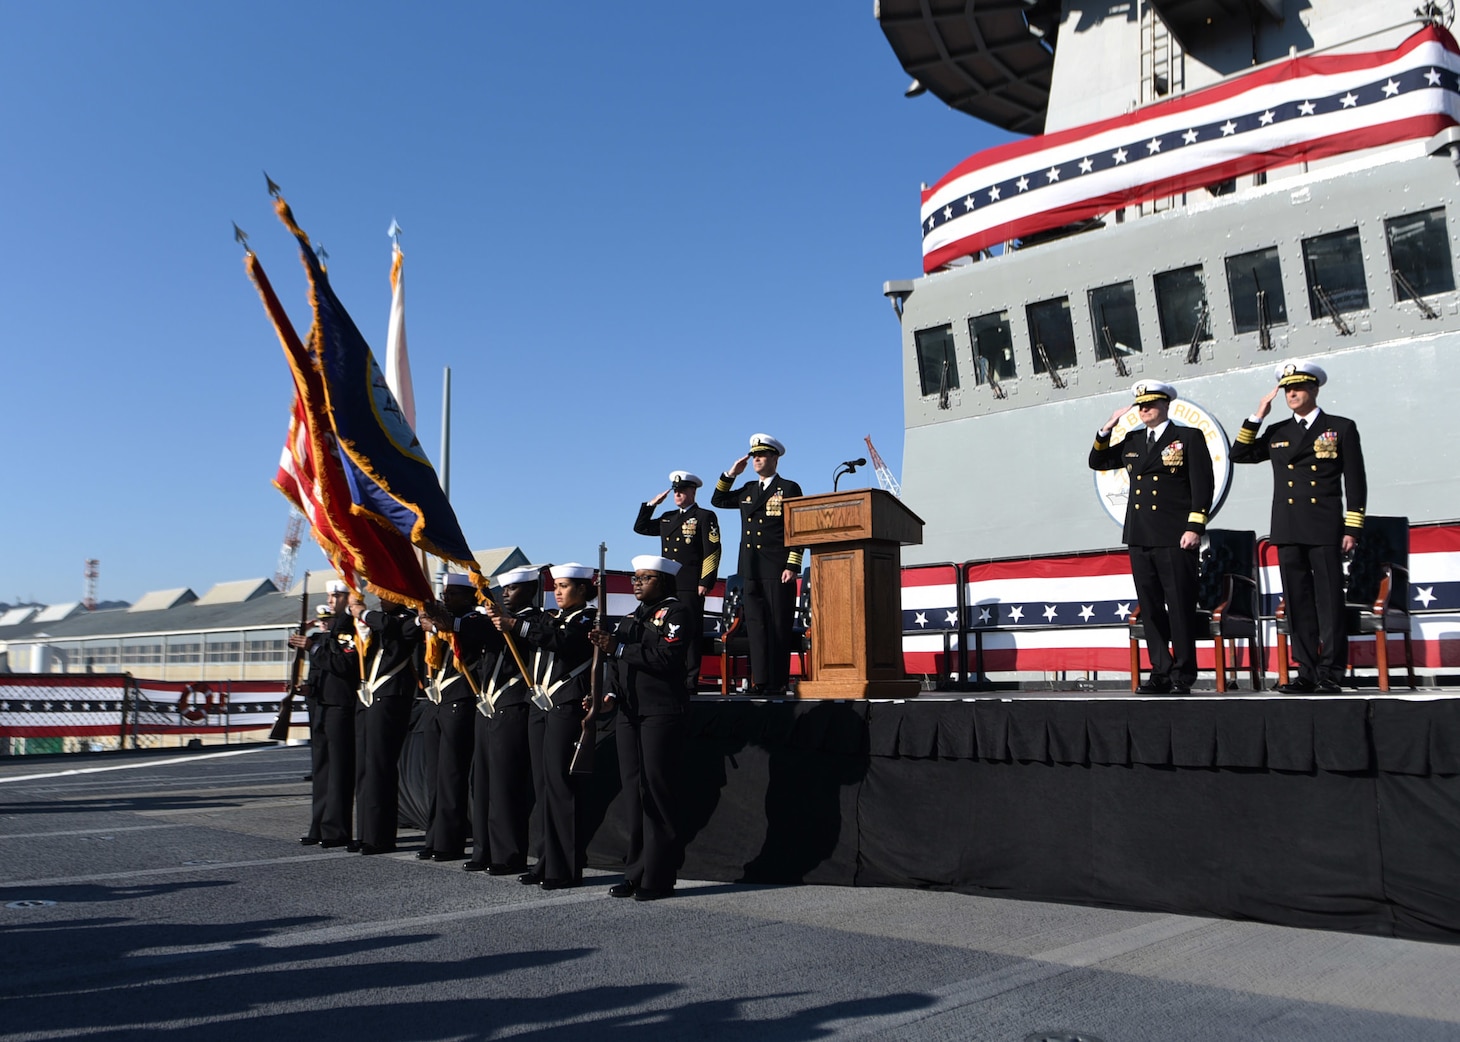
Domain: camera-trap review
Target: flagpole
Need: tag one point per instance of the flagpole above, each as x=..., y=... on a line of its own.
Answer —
x=445, y=469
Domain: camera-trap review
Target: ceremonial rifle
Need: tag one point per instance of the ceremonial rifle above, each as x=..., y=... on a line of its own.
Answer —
x=582, y=762
x=280, y=731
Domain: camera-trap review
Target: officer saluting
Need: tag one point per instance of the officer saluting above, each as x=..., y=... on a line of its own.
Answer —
x=1171, y=488
x=689, y=535
x=767, y=567
x=1316, y=459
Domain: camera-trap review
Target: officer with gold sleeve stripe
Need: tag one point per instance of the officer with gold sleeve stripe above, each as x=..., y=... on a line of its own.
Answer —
x=1171, y=488
x=768, y=568
x=1316, y=460
x=689, y=535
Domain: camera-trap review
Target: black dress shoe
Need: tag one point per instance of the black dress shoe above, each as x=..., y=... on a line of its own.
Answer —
x=645, y=894
x=558, y=884
x=1155, y=686
x=476, y=866
x=308, y=841
x=529, y=878
x=1181, y=689
x=330, y=844
x=1300, y=686
x=624, y=889
x=1328, y=687
x=370, y=848
x=497, y=868
x=424, y=854
x=446, y=855
x=354, y=846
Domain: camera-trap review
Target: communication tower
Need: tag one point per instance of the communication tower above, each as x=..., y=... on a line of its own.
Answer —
x=88, y=583
x=884, y=476
x=289, y=552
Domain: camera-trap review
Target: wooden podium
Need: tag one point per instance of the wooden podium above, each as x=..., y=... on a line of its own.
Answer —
x=856, y=541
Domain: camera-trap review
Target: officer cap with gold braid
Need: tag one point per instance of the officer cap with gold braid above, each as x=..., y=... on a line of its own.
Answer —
x=1146, y=391
x=1290, y=374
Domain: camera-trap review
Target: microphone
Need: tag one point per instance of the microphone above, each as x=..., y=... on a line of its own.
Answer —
x=853, y=464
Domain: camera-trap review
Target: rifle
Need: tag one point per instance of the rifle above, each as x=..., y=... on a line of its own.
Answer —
x=280, y=731
x=582, y=762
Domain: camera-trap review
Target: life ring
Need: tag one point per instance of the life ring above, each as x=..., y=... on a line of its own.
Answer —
x=185, y=708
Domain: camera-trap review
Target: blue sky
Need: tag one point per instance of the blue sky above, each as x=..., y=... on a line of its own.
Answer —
x=637, y=234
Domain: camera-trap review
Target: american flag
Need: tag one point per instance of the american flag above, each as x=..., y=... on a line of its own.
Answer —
x=1299, y=109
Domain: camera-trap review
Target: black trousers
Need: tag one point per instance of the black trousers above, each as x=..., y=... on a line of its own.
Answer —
x=332, y=752
x=564, y=830
x=451, y=728
x=770, y=610
x=318, y=769
x=1166, y=586
x=380, y=732
x=650, y=763
x=505, y=818
x=695, y=627
x=1313, y=588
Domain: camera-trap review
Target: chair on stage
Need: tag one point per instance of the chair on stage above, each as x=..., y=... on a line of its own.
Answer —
x=1376, y=597
x=733, y=645
x=1227, y=606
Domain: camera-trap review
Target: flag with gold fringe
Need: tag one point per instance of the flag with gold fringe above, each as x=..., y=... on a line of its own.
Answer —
x=312, y=476
x=389, y=477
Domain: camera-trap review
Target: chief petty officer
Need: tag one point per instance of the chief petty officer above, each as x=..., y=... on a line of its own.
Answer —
x=768, y=568
x=1171, y=487
x=1316, y=460
x=690, y=536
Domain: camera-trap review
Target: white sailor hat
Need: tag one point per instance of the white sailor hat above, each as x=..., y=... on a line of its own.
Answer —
x=1290, y=373
x=1153, y=391
x=650, y=563
x=571, y=570
x=458, y=579
x=765, y=443
x=336, y=586
x=684, y=477
x=525, y=574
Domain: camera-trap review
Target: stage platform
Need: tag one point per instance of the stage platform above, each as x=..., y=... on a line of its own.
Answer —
x=1336, y=812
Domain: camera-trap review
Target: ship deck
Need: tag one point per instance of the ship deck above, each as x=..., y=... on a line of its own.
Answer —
x=184, y=907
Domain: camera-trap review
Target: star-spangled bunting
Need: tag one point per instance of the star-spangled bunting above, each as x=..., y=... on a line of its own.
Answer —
x=1300, y=109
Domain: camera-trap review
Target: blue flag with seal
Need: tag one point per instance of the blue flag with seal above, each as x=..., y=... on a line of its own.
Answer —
x=391, y=481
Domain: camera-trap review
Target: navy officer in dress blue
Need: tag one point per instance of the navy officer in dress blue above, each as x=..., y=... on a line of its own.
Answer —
x=1171, y=488
x=689, y=535
x=768, y=568
x=1316, y=460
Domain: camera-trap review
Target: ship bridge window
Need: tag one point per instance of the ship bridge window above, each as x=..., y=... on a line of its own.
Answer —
x=1113, y=317
x=993, y=348
x=937, y=365
x=1335, y=268
x=1419, y=254
x=1181, y=307
x=1255, y=282
x=1051, y=334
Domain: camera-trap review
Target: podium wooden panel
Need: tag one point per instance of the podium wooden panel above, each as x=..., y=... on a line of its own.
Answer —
x=856, y=541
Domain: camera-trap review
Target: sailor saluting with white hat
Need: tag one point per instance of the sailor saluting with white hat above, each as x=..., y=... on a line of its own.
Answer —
x=689, y=535
x=1171, y=488
x=767, y=567
x=1316, y=461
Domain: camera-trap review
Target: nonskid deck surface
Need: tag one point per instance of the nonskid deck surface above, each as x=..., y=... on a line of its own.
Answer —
x=168, y=896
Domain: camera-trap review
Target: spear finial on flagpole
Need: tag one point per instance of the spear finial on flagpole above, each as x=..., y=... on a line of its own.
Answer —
x=321, y=252
x=241, y=237
x=274, y=189
x=394, y=232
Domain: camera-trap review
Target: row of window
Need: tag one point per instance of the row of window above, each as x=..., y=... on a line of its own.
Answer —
x=189, y=649
x=1333, y=265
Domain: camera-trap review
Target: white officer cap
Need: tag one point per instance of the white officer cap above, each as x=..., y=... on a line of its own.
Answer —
x=684, y=477
x=525, y=574
x=322, y=611
x=336, y=586
x=650, y=563
x=1153, y=391
x=765, y=443
x=571, y=570
x=1290, y=373
x=458, y=579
